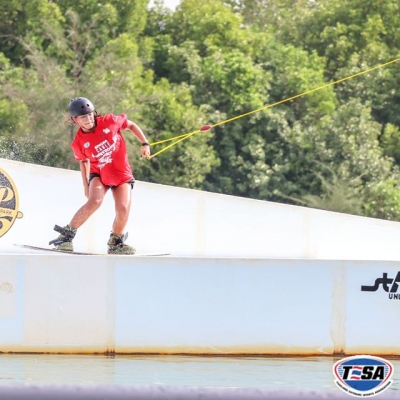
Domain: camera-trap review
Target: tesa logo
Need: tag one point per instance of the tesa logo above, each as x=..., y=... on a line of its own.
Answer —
x=363, y=376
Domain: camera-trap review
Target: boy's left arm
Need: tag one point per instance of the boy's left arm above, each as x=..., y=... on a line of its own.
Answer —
x=135, y=129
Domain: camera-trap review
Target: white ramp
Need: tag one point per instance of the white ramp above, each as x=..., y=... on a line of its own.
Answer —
x=187, y=222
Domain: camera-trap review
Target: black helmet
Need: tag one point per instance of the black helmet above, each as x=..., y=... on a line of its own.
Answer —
x=80, y=106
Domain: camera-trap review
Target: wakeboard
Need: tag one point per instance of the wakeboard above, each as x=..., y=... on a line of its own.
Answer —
x=26, y=246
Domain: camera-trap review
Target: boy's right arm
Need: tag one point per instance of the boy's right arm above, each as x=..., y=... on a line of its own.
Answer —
x=84, y=166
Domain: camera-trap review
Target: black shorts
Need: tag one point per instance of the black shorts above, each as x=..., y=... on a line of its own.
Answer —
x=94, y=175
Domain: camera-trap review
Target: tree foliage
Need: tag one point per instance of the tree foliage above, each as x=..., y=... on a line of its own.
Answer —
x=216, y=62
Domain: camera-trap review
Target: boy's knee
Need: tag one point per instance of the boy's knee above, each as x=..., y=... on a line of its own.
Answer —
x=123, y=209
x=95, y=203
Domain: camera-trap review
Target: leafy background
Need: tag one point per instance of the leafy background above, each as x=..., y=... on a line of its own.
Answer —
x=209, y=60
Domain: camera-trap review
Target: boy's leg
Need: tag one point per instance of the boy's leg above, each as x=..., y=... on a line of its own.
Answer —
x=97, y=192
x=123, y=199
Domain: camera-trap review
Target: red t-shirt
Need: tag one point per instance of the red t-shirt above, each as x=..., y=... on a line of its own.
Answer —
x=106, y=149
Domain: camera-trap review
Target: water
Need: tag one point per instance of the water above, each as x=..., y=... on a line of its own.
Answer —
x=272, y=373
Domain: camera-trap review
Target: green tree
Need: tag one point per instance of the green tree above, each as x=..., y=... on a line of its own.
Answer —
x=210, y=24
x=383, y=199
x=214, y=61
x=23, y=18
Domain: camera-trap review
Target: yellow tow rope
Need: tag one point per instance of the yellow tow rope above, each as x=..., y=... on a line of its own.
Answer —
x=206, y=128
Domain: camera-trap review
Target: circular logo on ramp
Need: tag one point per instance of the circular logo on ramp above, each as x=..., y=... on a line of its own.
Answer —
x=9, y=203
x=363, y=376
